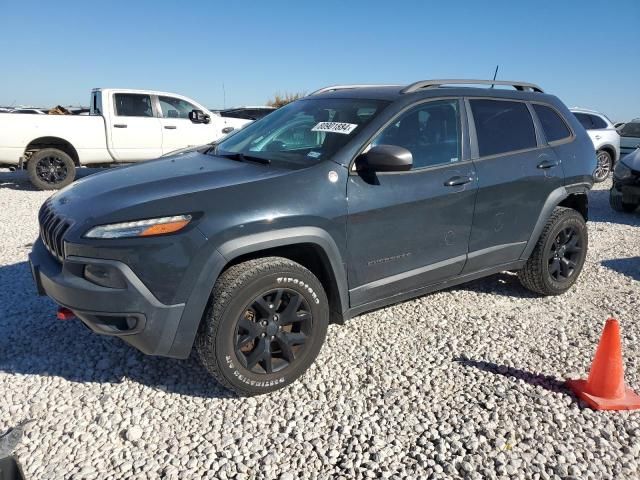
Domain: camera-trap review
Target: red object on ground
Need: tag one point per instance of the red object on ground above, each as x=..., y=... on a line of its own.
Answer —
x=605, y=388
x=65, y=314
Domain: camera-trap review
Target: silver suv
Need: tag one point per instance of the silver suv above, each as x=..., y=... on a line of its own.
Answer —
x=605, y=138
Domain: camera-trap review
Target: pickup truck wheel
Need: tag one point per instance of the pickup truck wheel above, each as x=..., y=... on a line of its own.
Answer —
x=265, y=325
x=559, y=255
x=604, y=166
x=51, y=169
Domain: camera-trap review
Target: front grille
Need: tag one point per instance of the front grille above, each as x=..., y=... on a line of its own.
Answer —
x=52, y=230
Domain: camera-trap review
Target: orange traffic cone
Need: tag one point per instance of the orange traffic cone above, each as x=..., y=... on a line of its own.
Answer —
x=605, y=388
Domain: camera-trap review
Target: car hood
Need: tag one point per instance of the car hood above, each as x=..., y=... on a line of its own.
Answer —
x=168, y=183
x=632, y=160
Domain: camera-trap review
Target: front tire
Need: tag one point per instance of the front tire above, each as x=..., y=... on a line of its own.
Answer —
x=559, y=255
x=51, y=169
x=615, y=200
x=604, y=166
x=266, y=322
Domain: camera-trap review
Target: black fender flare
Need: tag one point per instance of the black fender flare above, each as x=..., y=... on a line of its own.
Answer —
x=553, y=200
x=228, y=251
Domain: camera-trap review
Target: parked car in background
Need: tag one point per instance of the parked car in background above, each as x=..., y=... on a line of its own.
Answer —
x=605, y=140
x=123, y=126
x=345, y=201
x=247, y=113
x=629, y=136
x=624, y=195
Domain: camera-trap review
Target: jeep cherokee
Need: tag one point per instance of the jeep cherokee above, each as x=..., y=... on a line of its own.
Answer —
x=350, y=199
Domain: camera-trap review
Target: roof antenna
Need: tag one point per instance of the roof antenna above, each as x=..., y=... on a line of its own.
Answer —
x=224, y=97
x=495, y=74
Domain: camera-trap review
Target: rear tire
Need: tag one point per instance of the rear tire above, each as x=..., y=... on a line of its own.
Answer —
x=603, y=167
x=266, y=322
x=615, y=200
x=559, y=255
x=51, y=169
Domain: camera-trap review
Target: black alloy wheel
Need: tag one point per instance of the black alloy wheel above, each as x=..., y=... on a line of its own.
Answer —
x=51, y=169
x=272, y=331
x=264, y=326
x=564, y=254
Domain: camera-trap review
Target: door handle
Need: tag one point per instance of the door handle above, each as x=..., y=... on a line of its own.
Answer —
x=170, y=127
x=598, y=137
x=120, y=125
x=548, y=164
x=228, y=129
x=457, y=181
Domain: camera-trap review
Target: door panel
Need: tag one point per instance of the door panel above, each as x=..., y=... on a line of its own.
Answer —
x=134, y=133
x=407, y=230
x=512, y=186
x=177, y=130
x=411, y=229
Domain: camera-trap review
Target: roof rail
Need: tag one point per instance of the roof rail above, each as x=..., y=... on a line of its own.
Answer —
x=347, y=87
x=522, y=86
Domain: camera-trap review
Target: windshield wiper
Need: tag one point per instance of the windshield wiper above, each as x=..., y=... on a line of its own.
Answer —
x=244, y=158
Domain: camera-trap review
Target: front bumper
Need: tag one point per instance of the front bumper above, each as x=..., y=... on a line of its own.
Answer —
x=132, y=313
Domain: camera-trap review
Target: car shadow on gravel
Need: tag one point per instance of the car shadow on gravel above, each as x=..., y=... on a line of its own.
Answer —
x=505, y=284
x=627, y=266
x=537, y=380
x=33, y=342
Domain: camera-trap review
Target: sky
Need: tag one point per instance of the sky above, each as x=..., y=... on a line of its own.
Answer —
x=230, y=53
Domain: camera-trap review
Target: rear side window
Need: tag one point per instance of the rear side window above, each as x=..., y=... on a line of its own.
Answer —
x=502, y=126
x=553, y=126
x=133, y=105
x=590, y=122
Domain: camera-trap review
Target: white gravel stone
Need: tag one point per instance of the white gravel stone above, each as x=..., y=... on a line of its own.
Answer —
x=463, y=383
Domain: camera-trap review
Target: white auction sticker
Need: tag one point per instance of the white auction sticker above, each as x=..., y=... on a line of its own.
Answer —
x=335, y=127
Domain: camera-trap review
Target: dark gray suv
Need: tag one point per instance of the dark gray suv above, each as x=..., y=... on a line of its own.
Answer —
x=350, y=199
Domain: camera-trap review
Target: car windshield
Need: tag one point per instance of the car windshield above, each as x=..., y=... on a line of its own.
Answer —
x=302, y=132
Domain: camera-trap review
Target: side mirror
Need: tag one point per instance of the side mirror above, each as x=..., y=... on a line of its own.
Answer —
x=385, y=158
x=198, y=116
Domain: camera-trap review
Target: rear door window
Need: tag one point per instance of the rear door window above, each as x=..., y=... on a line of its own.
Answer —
x=553, y=126
x=133, y=105
x=502, y=126
x=590, y=122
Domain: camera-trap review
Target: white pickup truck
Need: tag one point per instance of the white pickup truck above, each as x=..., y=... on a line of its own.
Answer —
x=123, y=126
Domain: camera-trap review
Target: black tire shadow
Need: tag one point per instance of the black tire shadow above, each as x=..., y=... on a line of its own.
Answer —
x=627, y=266
x=34, y=342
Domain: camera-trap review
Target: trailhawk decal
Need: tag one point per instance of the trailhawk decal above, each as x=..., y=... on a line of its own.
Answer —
x=335, y=127
x=301, y=284
x=253, y=383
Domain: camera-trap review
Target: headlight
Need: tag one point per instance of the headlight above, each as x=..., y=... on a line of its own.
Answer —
x=621, y=171
x=140, y=228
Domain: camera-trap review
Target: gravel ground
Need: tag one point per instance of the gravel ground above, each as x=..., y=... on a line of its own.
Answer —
x=465, y=383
